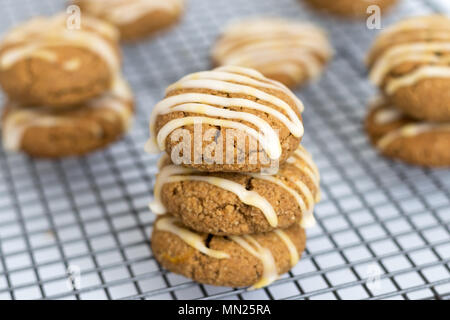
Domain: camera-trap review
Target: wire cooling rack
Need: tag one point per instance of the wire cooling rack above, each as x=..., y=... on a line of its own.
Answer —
x=79, y=228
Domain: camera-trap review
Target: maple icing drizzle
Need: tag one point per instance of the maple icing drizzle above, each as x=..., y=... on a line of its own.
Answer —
x=384, y=114
x=432, y=56
x=247, y=242
x=121, y=12
x=38, y=37
x=301, y=160
x=274, y=45
x=230, y=80
x=19, y=119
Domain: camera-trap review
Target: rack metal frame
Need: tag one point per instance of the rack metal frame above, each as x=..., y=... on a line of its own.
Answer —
x=79, y=228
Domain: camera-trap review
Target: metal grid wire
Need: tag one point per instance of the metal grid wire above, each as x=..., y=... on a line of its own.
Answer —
x=376, y=216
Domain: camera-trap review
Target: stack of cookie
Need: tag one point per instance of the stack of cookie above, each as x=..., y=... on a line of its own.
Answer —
x=235, y=189
x=66, y=95
x=410, y=63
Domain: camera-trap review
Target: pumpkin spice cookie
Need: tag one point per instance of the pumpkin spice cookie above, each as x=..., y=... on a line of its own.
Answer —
x=410, y=62
x=49, y=133
x=398, y=136
x=287, y=51
x=233, y=261
x=43, y=62
x=134, y=18
x=350, y=8
x=239, y=203
x=228, y=119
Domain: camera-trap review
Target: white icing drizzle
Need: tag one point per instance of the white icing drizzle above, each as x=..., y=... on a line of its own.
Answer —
x=173, y=173
x=290, y=245
x=388, y=116
x=19, y=119
x=411, y=130
x=268, y=45
x=229, y=80
x=384, y=114
x=420, y=74
x=270, y=273
x=418, y=51
x=247, y=242
x=191, y=238
x=121, y=12
x=37, y=37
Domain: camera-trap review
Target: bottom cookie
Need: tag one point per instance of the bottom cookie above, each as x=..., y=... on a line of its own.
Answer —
x=231, y=261
x=41, y=132
x=400, y=137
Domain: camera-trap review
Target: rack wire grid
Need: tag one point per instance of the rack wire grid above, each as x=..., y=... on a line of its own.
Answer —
x=79, y=228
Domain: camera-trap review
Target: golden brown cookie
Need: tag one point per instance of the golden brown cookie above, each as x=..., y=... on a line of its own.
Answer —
x=350, y=8
x=43, y=62
x=239, y=203
x=233, y=261
x=401, y=137
x=44, y=132
x=228, y=119
x=410, y=62
x=287, y=51
x=134, y=18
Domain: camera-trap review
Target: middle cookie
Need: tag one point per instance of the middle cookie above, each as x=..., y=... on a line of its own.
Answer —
x=239, y=203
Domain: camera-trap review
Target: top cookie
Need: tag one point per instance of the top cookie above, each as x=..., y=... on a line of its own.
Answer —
x=351, y=8
x=287, y=51
x=228, y=119
x=410, y=63
x=134, y=18
x=46, y=61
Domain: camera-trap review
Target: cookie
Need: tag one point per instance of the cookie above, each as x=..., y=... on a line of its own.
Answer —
x=134, y=18
x=287, y=51
x=229, y=119
x=399, y=136
x=232, y=261
x=44, y=132
x=351, y=8
x=239, y=203
x=410, y=62
x=43, y=62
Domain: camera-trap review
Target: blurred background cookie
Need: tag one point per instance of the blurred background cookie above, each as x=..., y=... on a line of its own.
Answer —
x=234, y=261
x=350, y=8
x=410, y=62
x=239, y=203
x=44, y=132
x=43, y=62
x=401, y=137
x=245, y=121
x=287, y=51
x=135, y=18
